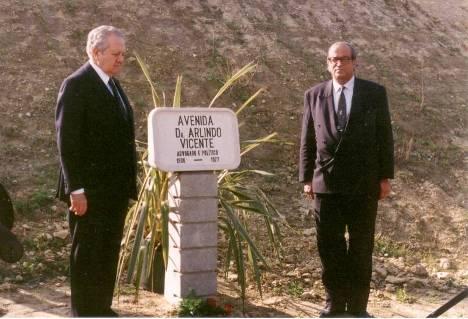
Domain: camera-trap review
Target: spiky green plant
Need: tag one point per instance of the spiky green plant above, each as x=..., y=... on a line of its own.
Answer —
x=146, y=230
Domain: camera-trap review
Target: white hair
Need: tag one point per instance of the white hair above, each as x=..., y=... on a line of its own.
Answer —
x=349, y=45
x=97, y=38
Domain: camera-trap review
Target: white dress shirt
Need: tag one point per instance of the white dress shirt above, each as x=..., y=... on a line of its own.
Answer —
x=348, y=94
x=103, y=75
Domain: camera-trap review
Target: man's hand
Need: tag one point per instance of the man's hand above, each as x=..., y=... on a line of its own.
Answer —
x=308, y=191
x=79, y=204
x=385, y=188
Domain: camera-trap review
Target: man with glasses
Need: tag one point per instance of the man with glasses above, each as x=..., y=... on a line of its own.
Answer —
x=346, y=161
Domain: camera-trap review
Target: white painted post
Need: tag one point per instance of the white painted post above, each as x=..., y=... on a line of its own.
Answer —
x=194, y=142
x=192, y=258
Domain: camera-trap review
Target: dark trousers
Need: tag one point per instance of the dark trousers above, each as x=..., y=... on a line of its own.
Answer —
x=96, y=238
x=346, y=265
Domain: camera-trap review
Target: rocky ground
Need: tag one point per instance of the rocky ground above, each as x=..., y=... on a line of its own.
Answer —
x=416, y=48
x=51, y=299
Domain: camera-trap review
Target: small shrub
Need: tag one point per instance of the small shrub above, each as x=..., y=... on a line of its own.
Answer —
x=194, y=306
x=402, y=296
x=295, y=289
x=36, y=200
x=388, y=248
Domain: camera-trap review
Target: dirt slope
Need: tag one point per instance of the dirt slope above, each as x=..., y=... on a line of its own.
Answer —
x=416, y=48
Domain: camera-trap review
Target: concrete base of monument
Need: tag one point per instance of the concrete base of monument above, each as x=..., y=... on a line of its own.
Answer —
x=180, y=285
x=192, y=261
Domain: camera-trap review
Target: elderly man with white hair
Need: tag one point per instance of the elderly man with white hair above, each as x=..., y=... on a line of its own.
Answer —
x=95, y=139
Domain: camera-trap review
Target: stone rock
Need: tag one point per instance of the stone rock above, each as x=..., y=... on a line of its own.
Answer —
x=392, y=269
x=62, y=234
x=419, y=270
x=390, y=288
x=381, y=271
x=442, y=275
x=290, y=259
x=445, y=264
x=417, y=282
x=306, y=275
x=308, y=295
x=442, y=286
x=232, y=277
x=272, y=300
x=396, y=280
x=292, y=273
x=463, y=274
x=309, y=232
x=272, y=276
x=306, y=267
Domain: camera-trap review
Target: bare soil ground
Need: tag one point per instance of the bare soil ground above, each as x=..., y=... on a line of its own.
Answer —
x=416, y=48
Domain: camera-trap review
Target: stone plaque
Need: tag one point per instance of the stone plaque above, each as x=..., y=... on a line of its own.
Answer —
x=193, y=139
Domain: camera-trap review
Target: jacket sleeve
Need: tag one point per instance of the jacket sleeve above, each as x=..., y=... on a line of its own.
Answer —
x=308, y=148
x=69, y=127
x=385, y=138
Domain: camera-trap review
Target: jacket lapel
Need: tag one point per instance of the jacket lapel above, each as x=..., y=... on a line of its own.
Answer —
x=102, y=87
x=105, y=94
x=330, y=109
x=356, y=103
x=125, y=100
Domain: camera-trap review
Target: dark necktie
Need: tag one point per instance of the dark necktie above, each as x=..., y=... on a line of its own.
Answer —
x=115, y=92
x=342, y=118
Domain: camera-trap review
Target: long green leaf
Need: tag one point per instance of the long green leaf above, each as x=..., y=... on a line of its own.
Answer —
x=256, y=270
x=137, y=243
x=249, y=100
x=242, y=72
x=154, y=93
x=177, y=92
x=240, y=229
x=255, y=143
x=141, y=257
x=229, y=231
x=241, y=278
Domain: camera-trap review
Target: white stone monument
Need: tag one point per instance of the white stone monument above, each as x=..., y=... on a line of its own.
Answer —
x=193, y=142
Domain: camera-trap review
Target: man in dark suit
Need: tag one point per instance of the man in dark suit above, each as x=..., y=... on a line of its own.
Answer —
x=346, y=161
x=95, y=137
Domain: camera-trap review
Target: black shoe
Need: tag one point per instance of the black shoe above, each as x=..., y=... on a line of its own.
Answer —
x=333, y=311
x=333, y=314
x=361, y=314
x=110, y=314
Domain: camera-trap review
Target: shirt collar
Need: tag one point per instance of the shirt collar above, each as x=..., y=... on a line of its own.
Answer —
x=104, y=77
x=349, y=85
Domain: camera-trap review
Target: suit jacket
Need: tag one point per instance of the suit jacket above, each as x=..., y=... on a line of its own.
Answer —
x=96, y=142
x=352, y=162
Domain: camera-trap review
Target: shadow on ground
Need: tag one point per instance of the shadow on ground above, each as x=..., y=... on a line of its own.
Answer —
x=33, y=301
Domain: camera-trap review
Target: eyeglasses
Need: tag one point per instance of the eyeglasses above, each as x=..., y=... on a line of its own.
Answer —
x=343, y=60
